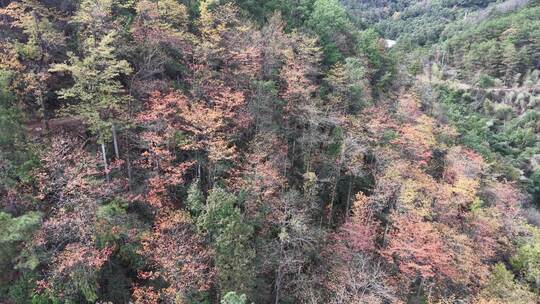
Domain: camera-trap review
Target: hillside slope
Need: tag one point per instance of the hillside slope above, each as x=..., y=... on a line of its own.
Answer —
x=250, y=151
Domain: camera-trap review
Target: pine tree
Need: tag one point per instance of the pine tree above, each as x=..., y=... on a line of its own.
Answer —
x=230, y=235
x=195, y=199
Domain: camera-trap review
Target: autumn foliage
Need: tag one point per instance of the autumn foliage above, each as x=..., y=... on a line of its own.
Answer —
x=242, y=152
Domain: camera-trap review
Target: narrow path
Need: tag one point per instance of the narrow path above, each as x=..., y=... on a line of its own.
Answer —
x=37, y=127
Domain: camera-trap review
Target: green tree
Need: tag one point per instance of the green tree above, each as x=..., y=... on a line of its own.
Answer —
x=330, y=21
x=504, y=288
x=14, y=157
x=380, y=64
x=94, y=18
x=195, y=199
x=534, y=186
x=295, y=12
x=350, y=89
x=43, y=42
x=96, y=85
x=233, y=298
x=527, y=259
x=97, y=88
x=14, y=231
x=230, y=235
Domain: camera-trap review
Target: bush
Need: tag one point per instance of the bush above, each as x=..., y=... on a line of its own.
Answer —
x=526, y=261
x=503, y=111
x=502, y=288
x=534, y=186
x=485, y=81
x=233, y=298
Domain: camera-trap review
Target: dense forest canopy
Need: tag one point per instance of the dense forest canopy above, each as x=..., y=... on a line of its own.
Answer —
x=280, y=151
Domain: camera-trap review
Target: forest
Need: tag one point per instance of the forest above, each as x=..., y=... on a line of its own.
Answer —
x=269, y=151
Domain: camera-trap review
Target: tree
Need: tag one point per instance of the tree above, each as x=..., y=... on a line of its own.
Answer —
x=16, y=157
x=163, y=45
x=98, y=89
x=176, y=255
x=350, y=90
x=353, y=272
x=502, y=288
x=526, y=259
x=233, y=298
x=296, y=241
x=294, y=12
x=230, y=236
x=535, y=185
x=95, y=19
x=195, y=199
x=271, y=158
x=43, y=42
x=418, y=139
x=331, y=22
x=203, y=129
x=381, y=66
x=15, y=231
x=302, y=109
x=359, y=233
x=68, y=241
x=75, y=274
x=356, y=278
x=273, y=53
x=418, y=250
x=118, y=228
x=96, y=85
x=301, y=63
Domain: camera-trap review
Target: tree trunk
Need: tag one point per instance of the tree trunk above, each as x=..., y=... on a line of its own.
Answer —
x=333, y=199
x=334, y=188
x=103, y=152
x=115, y=141
x=430, y=72
x=128, y=161
x=130, y=174
x=279, y=274
x=39, y=91
x=44, y=110
x=348, y=207
x=420, y=287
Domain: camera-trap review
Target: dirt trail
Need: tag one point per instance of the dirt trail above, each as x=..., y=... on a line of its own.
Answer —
x=37, y=127
x=451, y=83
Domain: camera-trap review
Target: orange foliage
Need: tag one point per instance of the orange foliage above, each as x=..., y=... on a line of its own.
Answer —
x=299, y=65
x=76, y=255
x=175, y=254
x=417, y=248
x=208, y=126
x=417, y=140
x=360, y=232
